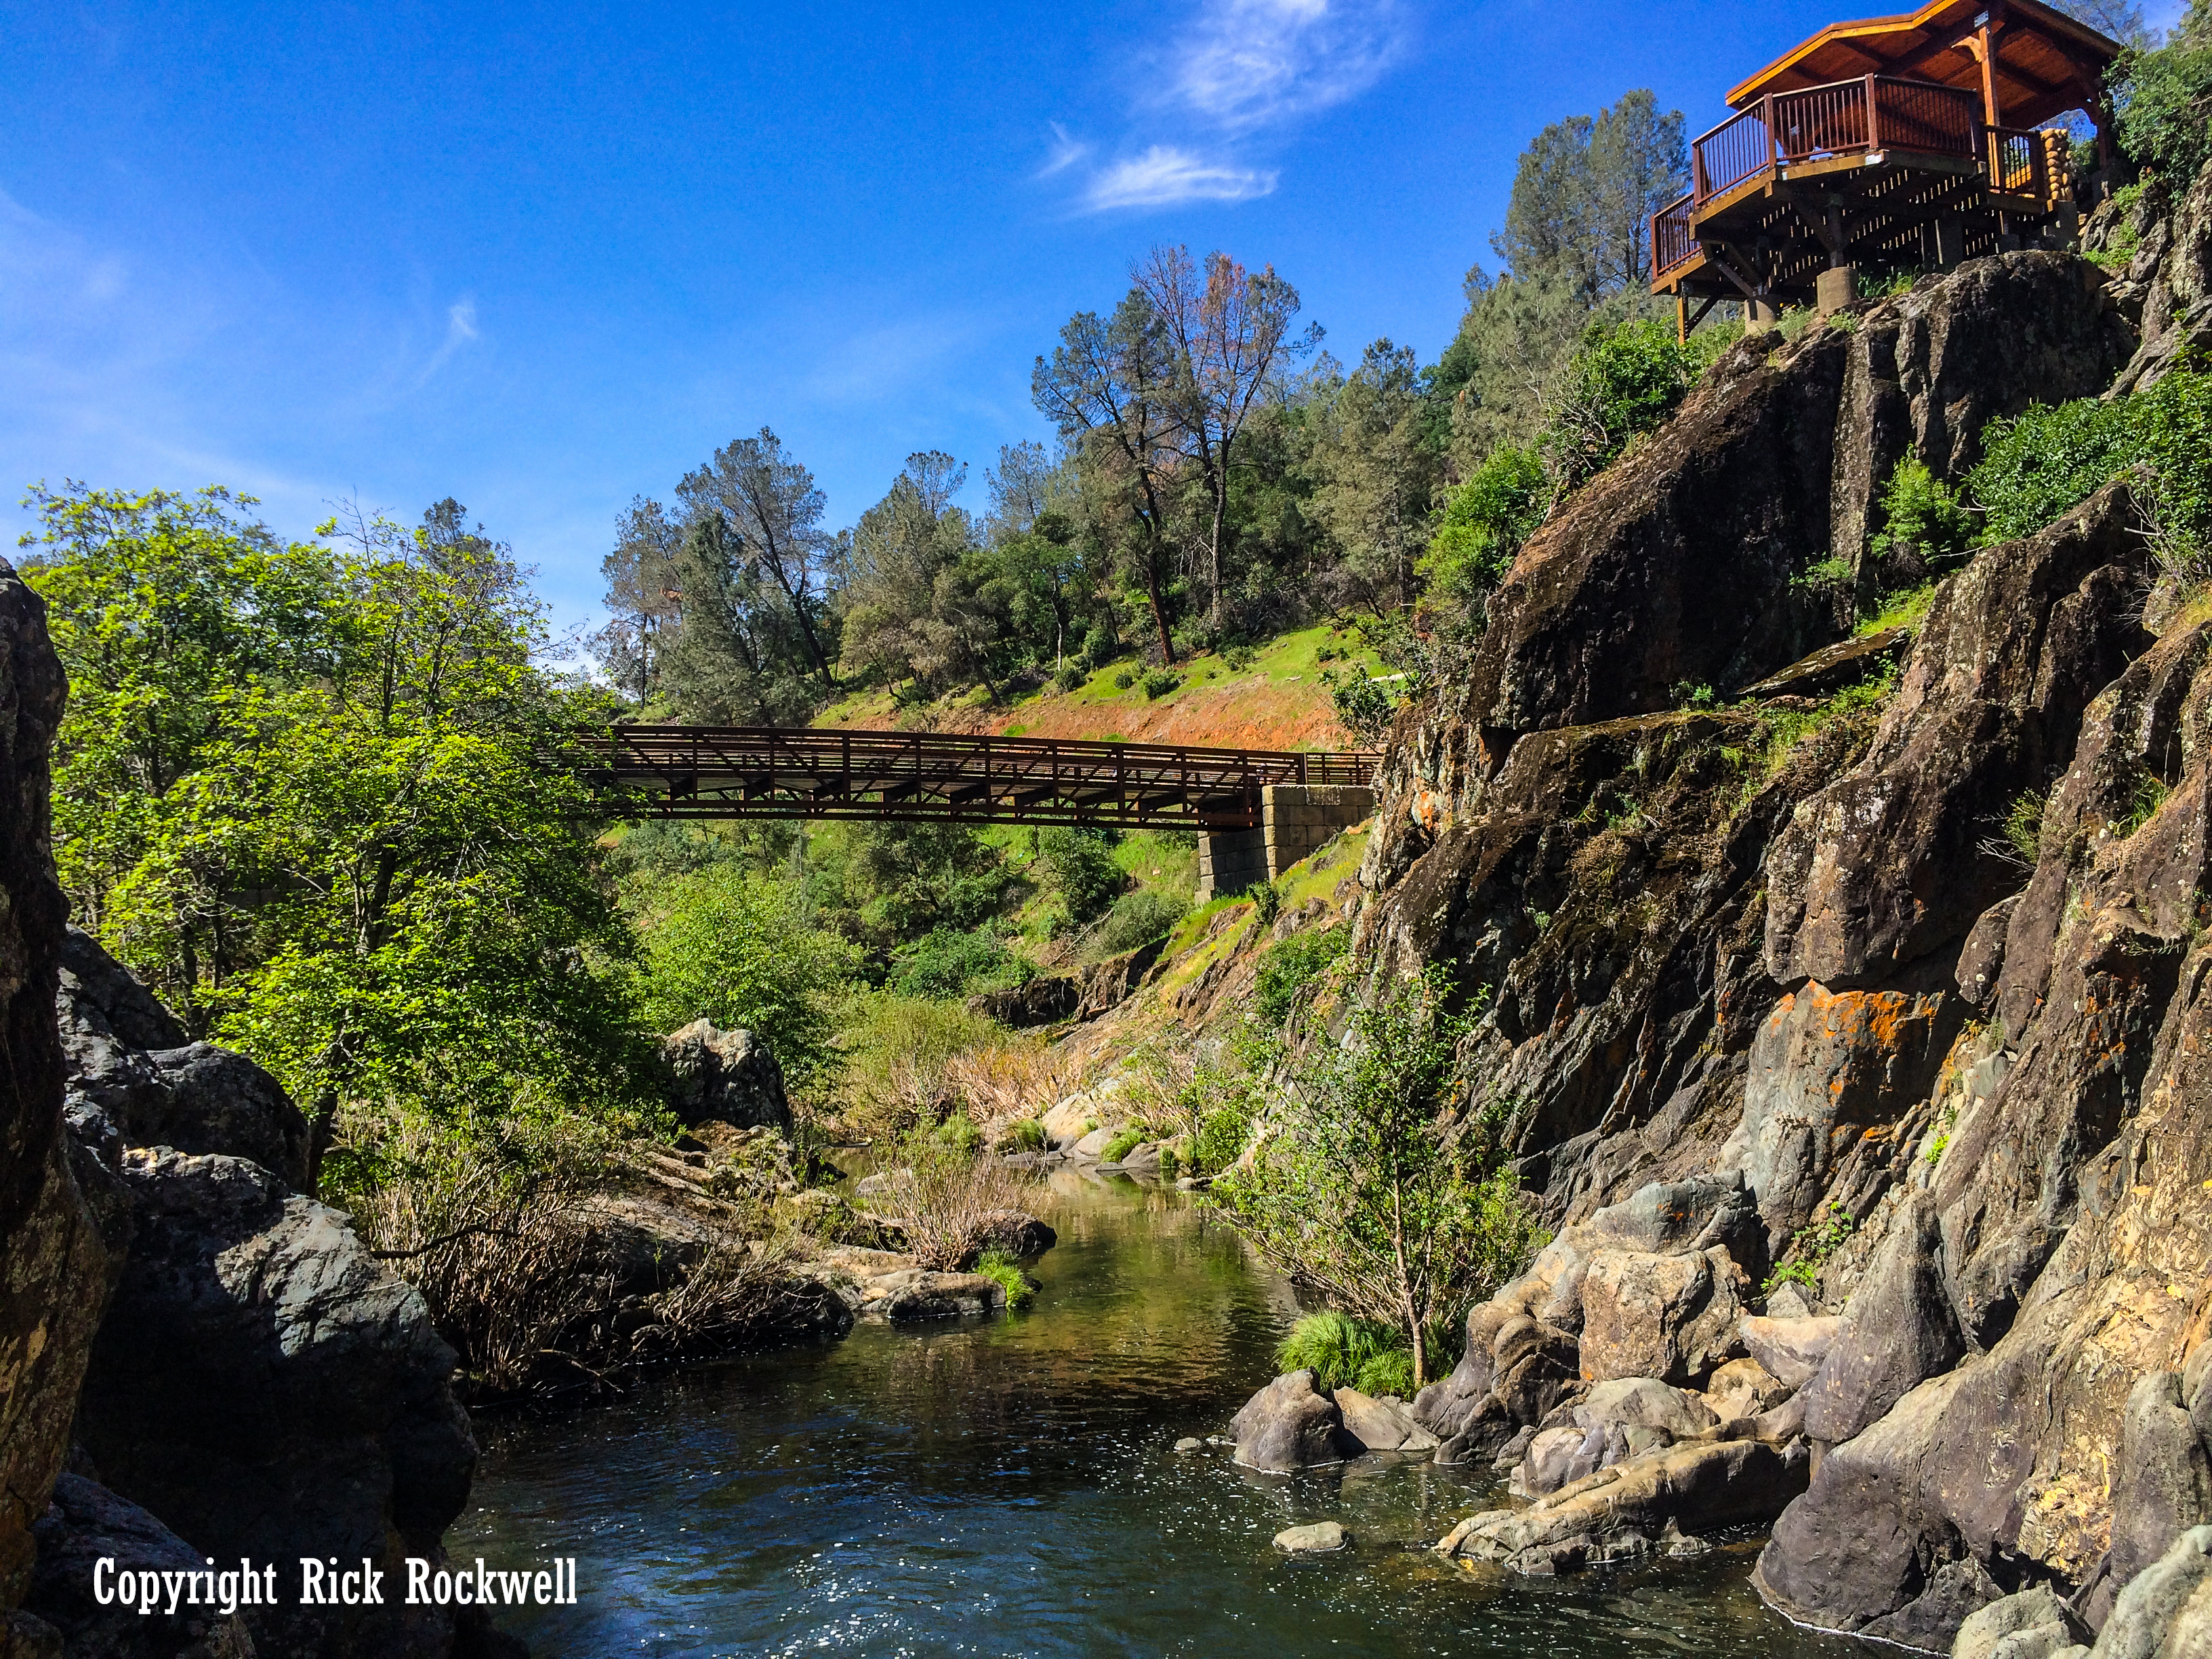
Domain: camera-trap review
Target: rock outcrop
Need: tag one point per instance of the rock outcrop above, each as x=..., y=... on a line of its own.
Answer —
x=1925, y=984
x=54, y=1266
x=1292, y=1424
x=725, y=1077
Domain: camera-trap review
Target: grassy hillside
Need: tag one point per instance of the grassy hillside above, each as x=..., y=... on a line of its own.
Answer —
x=1270, y=697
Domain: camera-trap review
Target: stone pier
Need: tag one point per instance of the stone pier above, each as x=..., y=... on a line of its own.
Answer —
x=1295, y=819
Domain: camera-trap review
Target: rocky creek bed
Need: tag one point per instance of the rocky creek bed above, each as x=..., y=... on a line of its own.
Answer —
x=1010, y=1485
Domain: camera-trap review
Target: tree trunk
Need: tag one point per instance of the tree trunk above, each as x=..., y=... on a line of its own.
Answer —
x=1220, y=513
x=1159, y=610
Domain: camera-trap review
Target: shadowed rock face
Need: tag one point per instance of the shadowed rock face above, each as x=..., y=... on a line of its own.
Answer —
x=53, y=1266
x=1895, y=861
x=727, y=1077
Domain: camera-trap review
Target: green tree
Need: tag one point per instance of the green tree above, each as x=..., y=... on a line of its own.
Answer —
x=1374, y=475
x=362, y=869
x=770, y=513
x=1584, y=194
x=1358, y=1189
x=728, y=945
x=166, y=609
x=644, y=598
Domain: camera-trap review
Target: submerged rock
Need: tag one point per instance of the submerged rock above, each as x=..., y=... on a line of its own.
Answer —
x=1636, y=1507
x=1320, y=1538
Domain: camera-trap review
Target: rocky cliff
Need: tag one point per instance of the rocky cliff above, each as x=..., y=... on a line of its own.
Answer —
x=1769, y=984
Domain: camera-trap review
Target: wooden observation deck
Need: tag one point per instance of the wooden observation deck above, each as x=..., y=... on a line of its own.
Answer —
x=1901, y=142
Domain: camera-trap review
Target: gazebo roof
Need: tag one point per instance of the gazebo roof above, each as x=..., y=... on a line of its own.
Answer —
x=2046, y=62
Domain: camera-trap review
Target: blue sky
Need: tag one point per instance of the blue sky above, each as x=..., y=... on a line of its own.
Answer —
x=545, y=258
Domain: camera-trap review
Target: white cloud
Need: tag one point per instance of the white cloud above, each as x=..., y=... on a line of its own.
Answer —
x=1066, y=152
x=1165, y=175
x=461, y=329
x=1252, y=63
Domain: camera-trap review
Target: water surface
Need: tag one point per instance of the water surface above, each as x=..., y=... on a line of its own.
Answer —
x=1009, y=1487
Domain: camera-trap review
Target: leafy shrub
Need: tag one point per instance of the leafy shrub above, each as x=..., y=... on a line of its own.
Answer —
x=1222, y=1135
x=1363, y=705
x=901, y=1059
x=1124, y=679
x=1024, y=1135
x=2162, y=98
x=959, y=1132
x=1358, y=1194
x=1159, y=682
x=945, y=963
x=1099, y=645
x=730, y=946
x=1137, y=919
x=1006, y=1273
x=1079, y=866
x=1485, y=521
x=2038, y=467
x=1812, y=1245
x=1922, y=515
x=1624, y=382
x=1070, y=676
x=1291, y=965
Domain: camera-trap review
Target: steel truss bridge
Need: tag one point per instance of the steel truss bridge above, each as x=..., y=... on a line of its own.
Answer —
x=776, y=772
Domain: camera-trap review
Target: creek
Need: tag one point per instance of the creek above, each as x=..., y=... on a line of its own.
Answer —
x=1009, y=1486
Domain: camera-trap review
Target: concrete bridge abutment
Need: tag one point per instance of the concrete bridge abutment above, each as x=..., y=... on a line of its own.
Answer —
x=1295, y=819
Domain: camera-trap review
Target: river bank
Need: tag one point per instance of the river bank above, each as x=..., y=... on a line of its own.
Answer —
x=1009, y=1485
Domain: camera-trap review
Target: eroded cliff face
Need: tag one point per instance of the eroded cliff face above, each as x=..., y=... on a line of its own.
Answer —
x=53, y=1269
x=1815, y=992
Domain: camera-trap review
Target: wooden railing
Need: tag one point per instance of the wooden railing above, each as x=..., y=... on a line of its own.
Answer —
x=1876, y=113
x=751, y=772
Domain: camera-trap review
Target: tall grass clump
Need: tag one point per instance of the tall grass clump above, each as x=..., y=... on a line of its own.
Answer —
x=951, y=1203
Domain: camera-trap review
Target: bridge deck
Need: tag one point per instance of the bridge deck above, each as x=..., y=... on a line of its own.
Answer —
x=774, y=772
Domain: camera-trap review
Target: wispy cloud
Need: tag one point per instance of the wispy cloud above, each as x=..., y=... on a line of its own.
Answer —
x=1066, y=153
x=1252, y=63
x=1235, y=69
x=461, y=329
x=1165, y=175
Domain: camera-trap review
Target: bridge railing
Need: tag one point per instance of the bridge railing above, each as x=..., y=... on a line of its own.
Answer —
x=693, y=771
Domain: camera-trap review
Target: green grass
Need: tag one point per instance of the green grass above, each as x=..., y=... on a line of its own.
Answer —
x=1006, y=1273
x=1906, y=608
x=1125, y=1141
x=1339, y=1350
x=1298, y=657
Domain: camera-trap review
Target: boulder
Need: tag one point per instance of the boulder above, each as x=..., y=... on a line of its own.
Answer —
x=1791, y=1350
x=1105, y=985
x=939, y=1296
x=1012, y=1233
x=1744, y=1387
x=191, y=1096
x=1320, y=1538
x=87, y=1523
x=2034, y=1624
x=2166, y=1611
x=1928, y=369
x=731, y=1076
x=1636, y=1507
x=1613, y=1422
x=1292, y=1424
x=2164, y=1484
x=1871, y=1549
x=1674, y=565
x=269, y=1391
x=54, y=1264
x=1896, y=1330
x=1673, y=1317
x=1384, y=1425
x=1045, y=1001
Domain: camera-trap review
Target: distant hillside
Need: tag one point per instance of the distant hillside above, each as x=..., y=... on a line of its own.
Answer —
x=1275, y=698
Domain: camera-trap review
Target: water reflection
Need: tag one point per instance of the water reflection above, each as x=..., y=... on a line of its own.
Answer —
x=1008, y=1486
